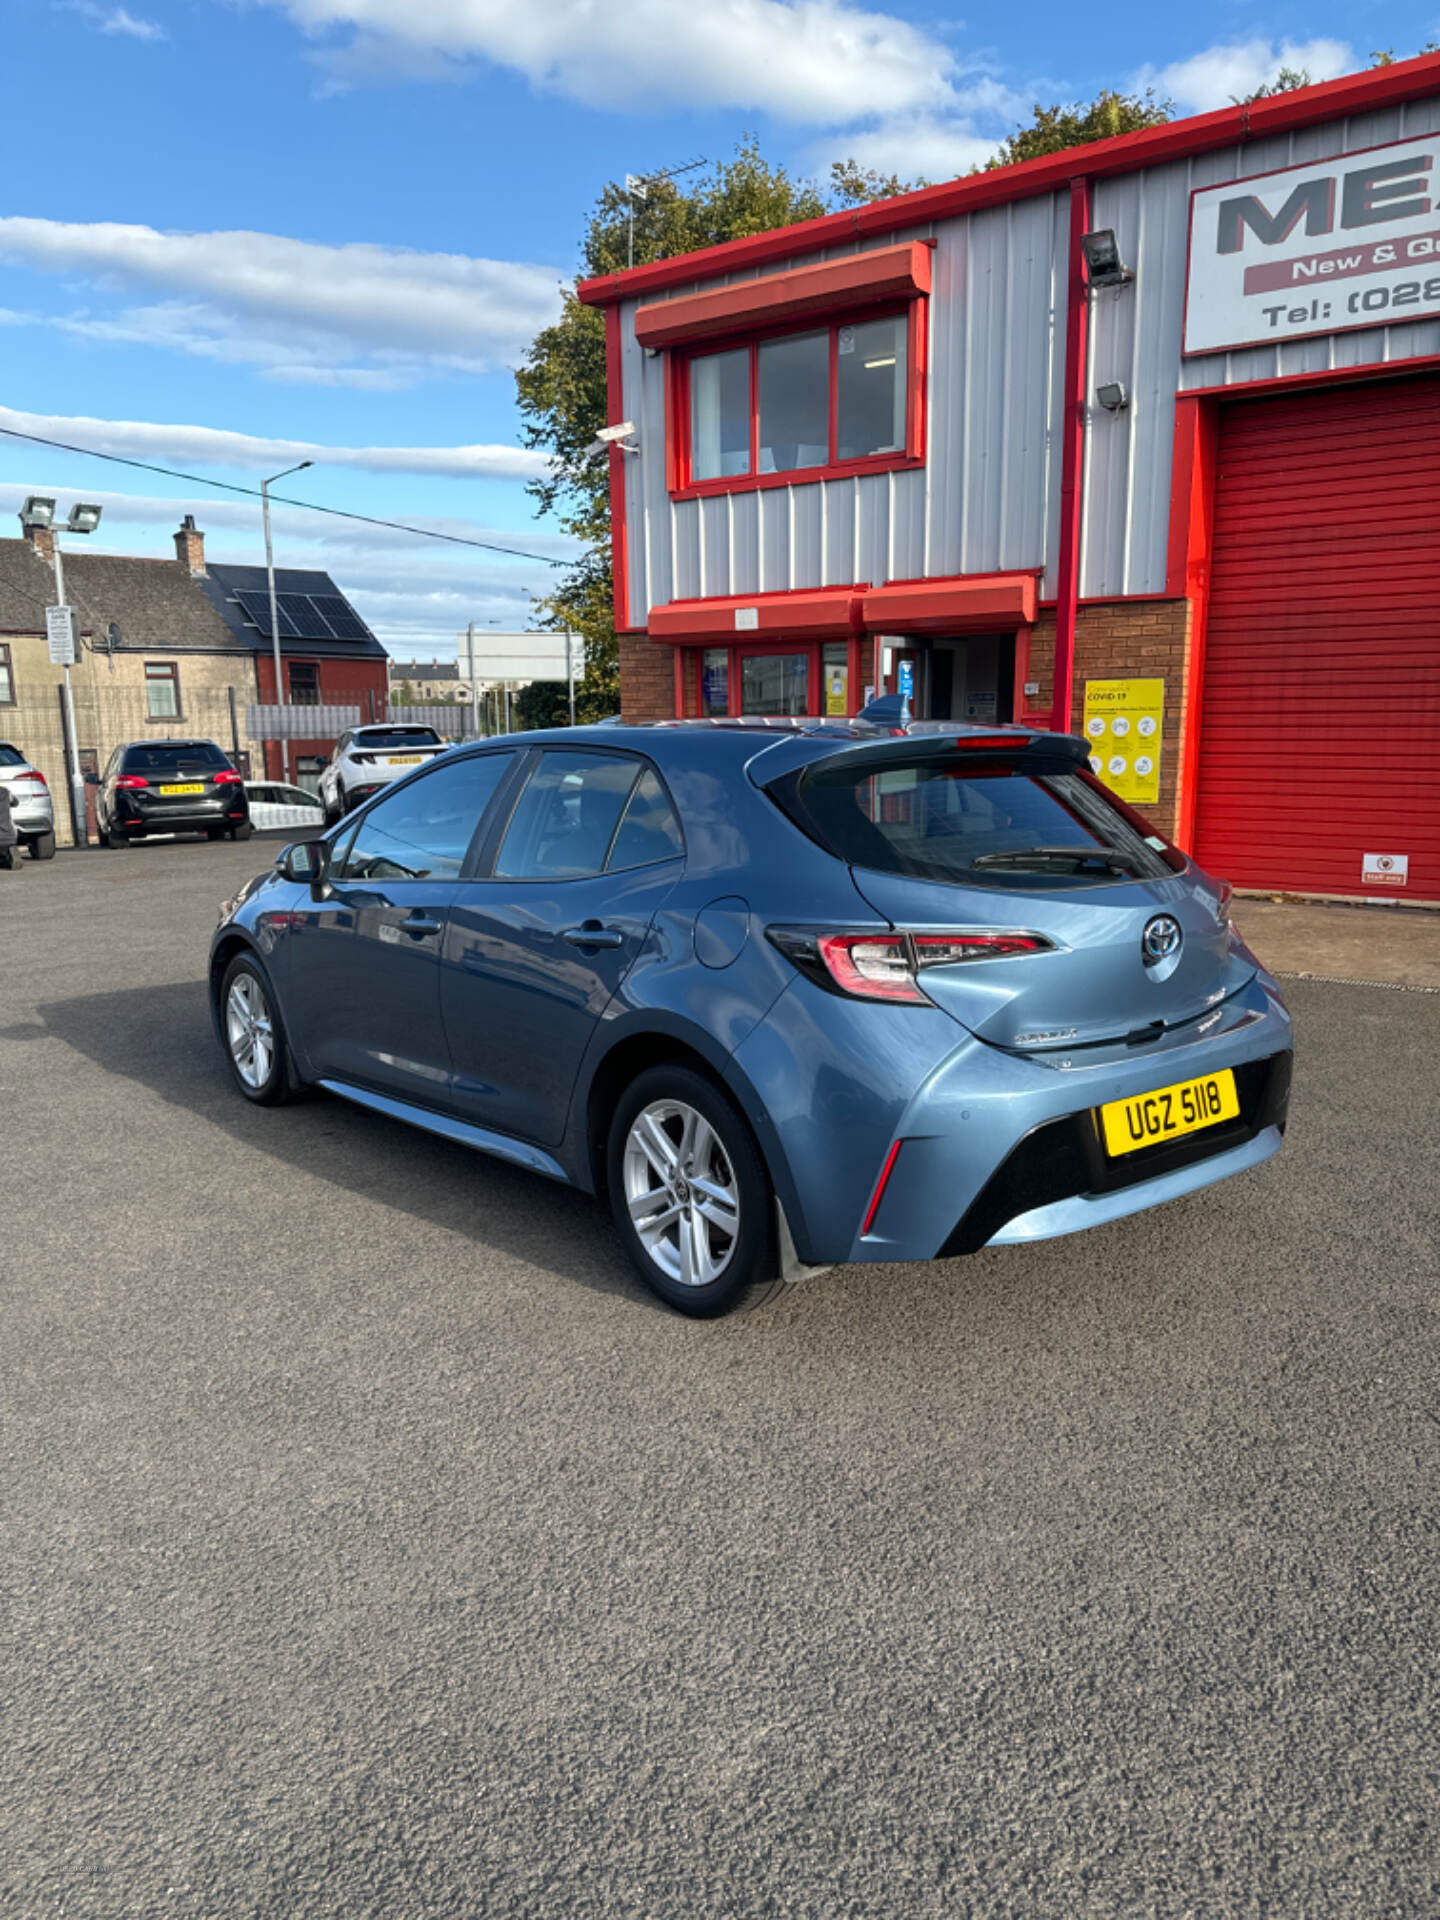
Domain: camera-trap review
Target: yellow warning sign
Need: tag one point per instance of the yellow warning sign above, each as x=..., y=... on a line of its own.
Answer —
x=1123, y=722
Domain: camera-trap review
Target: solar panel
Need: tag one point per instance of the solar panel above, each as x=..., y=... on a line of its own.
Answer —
x=257, y=608
x=345, y=624
x=303, y=616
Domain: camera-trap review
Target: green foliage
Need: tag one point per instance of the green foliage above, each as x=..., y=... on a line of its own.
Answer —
x=402, y=694
x=852, y=185
x=543, y=704
x=1387, y=56
x=561, y=383
x=1285, y=81
x=1053, y=129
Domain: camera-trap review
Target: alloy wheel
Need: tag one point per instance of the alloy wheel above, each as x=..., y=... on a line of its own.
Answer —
x=249, y=1030
x=681, y=1191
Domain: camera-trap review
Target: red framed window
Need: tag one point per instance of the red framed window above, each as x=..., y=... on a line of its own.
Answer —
x=776, y=679
x=807, y=401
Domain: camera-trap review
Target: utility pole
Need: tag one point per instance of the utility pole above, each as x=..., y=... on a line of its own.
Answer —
x=265, y=486
x=77, y=779
x=570, y=676
x=470, y=670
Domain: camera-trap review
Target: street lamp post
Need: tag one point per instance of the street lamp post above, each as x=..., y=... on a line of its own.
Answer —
x=265, y=486
x=84, y=518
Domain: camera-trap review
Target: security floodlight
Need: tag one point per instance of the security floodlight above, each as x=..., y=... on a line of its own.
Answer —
x=1114, y=396
x=609, y=437
x=1102, y=259
x=84, y=518
x=37, y=512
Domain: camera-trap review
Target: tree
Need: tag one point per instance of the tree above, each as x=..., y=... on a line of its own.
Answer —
x=1053, y=129
x=852, y=185
x=402, y=694
x=561, y=382
x=1285, y=81
x=544, y=704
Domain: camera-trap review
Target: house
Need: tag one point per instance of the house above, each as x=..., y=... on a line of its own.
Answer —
x=431, y=681
x=329, y=657
x=155, y=657
x=1140, y=438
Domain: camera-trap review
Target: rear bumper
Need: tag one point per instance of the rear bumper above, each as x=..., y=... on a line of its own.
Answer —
x=964, y=1176
x=135, y=818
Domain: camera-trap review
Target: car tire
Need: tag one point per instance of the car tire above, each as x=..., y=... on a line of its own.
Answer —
x=674, y=1127
x=110, y=838
x=42, y=846
x=256, y=1049
x=243, y=831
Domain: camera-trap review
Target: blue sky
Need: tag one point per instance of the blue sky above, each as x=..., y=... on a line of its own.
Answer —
x=234, y=234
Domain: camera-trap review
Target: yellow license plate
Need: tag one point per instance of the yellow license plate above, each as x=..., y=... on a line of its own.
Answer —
x=405, y=760
x=197, y=786
x=1168, y=1113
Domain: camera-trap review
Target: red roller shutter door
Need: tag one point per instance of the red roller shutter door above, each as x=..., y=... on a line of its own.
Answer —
x=1320, y=729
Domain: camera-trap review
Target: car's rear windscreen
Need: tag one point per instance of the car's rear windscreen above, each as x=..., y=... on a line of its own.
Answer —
x=173, y=755
x=11, y=757
x=375, y=739
x=992, y=824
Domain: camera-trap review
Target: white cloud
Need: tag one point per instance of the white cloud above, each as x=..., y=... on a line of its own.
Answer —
x=115, y=20
x=918, y=148
x=822, y=62
x=1223, y=74
x=297, y=308
x=217, y=446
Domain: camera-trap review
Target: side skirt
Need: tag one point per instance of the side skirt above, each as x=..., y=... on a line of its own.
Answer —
x=518, y=1152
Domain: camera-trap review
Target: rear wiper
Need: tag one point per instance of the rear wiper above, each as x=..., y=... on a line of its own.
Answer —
x=1022, y=857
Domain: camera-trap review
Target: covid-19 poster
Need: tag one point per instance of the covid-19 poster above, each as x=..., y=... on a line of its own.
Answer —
x=1123, y=722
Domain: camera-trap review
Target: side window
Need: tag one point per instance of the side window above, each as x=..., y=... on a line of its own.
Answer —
x=422, y=831
x=565, y=819
x=649, y=831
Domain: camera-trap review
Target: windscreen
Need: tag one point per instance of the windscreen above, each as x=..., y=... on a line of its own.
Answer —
x=990, y=824
x=167, y=758
x=375, y=739
x=10, y=757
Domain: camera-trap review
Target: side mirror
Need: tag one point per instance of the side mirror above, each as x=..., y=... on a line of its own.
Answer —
x=306, y=863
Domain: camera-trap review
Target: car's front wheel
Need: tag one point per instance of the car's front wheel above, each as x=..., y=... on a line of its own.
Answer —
x=690, y=1194
x=42, y=845
x=254, y=1034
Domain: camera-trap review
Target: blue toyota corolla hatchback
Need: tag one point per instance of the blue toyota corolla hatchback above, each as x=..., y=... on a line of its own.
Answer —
x=785, y=997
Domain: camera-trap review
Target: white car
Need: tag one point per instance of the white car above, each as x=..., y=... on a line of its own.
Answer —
x=273, y=804
x=32, y=810
x=368, y=758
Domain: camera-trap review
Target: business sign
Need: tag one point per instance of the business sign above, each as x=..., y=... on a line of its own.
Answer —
x=1123, y=721
x=536, y=655
x=60, y=633
x=1320, y=248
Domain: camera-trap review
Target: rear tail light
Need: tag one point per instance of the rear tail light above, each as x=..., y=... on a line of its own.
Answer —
x=130, y=781
x=227, y=777
x=30, y=773
x=363, y=759
x=885, y=965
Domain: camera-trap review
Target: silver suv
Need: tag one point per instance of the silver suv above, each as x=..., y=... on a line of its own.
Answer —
x=368, y=758
x=32, y=810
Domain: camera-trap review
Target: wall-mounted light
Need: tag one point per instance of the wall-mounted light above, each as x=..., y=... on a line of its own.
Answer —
x=1102, y=259
x=1114, y=396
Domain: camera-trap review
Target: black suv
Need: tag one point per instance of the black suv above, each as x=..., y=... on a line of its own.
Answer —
x=170, y=786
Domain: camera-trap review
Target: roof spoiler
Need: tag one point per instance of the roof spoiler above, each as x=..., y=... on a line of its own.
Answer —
x=934, y=740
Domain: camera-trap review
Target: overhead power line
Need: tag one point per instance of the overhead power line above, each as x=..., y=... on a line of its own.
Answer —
x=336, y=513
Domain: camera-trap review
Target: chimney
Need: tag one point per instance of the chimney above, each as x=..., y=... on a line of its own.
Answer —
x=42, y=539
x=190, y=545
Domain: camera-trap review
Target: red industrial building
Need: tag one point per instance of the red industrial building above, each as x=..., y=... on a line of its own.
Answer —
x=1141, y=438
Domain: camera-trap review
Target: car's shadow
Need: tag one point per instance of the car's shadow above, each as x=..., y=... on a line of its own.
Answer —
x=162, y=1038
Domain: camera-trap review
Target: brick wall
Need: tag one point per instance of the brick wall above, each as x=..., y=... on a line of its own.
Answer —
x=1131, y=639
x=647, y=678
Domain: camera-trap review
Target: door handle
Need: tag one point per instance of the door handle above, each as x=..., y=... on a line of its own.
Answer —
x=418, y=924
x=592, y=934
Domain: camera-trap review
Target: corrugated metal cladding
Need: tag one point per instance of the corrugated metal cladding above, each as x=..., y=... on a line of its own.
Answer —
x=987, y=500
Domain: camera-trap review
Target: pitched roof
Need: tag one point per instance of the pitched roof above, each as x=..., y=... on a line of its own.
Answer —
x=223, y=583
x=157, y=604
x=426, y=669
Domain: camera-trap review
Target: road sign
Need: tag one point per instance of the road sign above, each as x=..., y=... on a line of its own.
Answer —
x=60, y=632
